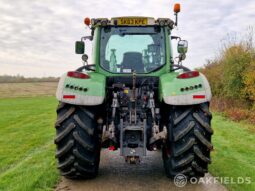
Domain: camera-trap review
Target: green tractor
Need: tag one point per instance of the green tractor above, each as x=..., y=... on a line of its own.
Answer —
x=134, y=99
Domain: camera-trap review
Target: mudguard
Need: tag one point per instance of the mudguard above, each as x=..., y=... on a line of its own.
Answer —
x=78, y=91
x=190, y=91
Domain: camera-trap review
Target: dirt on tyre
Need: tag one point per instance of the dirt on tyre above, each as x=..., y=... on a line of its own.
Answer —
x=77, y=141
x=187, y=150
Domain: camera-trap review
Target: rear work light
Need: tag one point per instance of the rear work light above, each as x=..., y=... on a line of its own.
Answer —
x=190, y=74
x=74, y=74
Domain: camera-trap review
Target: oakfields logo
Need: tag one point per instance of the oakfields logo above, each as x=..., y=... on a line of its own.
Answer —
x=180, y=180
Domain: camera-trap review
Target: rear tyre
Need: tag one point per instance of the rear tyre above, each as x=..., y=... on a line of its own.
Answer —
x=189, y=143
x=77, y=141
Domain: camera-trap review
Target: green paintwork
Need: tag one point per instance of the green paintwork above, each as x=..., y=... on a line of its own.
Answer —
x=171, y=86
x=95, y=85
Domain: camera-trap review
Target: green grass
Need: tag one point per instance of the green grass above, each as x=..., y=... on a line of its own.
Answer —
x=27, y=160
x=234, y=154
x=26, y=144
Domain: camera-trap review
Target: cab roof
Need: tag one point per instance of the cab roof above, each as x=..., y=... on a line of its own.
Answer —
x=131, y=21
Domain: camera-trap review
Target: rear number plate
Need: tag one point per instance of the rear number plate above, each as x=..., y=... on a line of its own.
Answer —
x=132, y=21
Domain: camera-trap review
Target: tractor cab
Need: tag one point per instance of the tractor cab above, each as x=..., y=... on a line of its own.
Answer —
x=131, y=44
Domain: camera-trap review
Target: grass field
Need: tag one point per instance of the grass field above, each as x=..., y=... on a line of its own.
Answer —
x=27, y=160
x=27, y=152
x=234, y=154
x=8, y=90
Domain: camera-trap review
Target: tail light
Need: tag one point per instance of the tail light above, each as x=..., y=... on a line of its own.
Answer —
x=69, y=96
x=190, y=74
x=198, y=96
x=74, y=74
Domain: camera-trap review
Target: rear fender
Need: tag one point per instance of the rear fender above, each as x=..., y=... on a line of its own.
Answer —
x=189, y=91
x=81, y=91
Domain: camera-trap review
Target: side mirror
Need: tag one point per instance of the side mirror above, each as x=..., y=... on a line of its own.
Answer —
x=79, y=47
x=182, y=47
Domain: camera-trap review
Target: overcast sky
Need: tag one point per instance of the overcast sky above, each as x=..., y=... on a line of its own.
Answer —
x=37, y=36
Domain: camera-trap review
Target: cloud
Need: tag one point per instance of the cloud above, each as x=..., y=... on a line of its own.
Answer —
x=37, y=37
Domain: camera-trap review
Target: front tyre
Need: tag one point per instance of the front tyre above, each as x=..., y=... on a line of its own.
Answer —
x=77, y=141
x=189, y=143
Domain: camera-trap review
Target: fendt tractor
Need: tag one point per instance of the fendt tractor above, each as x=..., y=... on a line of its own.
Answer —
x=135, y=97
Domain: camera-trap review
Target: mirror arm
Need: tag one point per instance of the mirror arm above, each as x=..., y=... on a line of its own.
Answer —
x=177, y=67
x=175, y=38
x=86, y=37
x=182, y=56
x=86, y=67
x=176, y=19
x=92, y=31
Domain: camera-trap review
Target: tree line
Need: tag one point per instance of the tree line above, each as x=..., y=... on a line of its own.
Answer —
x=232, y=75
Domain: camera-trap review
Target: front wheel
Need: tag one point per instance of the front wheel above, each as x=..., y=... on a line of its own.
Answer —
x=187, y=150
x=77, y=141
